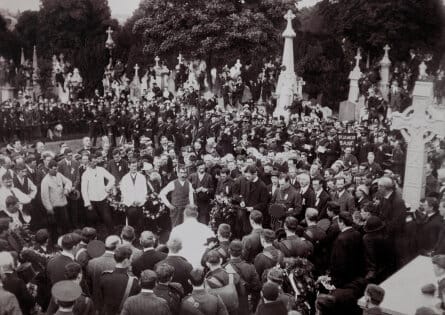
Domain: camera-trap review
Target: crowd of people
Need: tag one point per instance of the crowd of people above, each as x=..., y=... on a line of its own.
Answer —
x=184, y=207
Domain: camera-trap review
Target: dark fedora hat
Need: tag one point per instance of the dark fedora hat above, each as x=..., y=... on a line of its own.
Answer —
x=373, y=224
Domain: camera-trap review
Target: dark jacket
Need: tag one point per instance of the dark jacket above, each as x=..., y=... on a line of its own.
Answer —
x=347, y=257
x=252, y=245
x=428, y=232
x=295, y=246
x=17, y=286
x=321, y=203
x=200, y=302
x=249, y=280
x=172, y=293
x=145, y=303
x=275, y=308
x=182, y=271
x=147, y=260
x=267, y=259
x=56, y=268
x=112, y=289
x=118, y=170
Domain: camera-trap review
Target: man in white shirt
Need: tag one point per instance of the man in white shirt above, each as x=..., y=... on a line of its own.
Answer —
x=95, y=192
x=7, y=190
x=54, y=189
x=133, y=188
x=194, y=236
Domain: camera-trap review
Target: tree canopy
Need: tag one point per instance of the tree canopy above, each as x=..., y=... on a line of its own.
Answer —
x=214, y=30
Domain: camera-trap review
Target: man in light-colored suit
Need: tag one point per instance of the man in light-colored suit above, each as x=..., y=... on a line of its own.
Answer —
x=98, y=265
x=146, y=301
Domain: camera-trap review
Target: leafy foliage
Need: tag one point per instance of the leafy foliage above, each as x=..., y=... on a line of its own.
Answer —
x=217, y=31
x=75, y=28
x=403, y=24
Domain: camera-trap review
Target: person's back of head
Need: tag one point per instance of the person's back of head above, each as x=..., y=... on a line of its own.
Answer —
x=196, y=277
x=147, y=239
x=111, y=242
x=213, y=258
x=346, y=218
x=68, y=242
x=311, y=215
x=122, y=253
x=128, y=234
x=88, y=234
x=174, y=245
x=224, y=231
x=235, y=248
x=72, y=271
x=291, y=224
x=164, y=272
x=148, y=279
x=256, y=217
x=191, y=211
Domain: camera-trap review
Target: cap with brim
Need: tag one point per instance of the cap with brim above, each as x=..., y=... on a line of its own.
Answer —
x=95, y=248
x=66, y=291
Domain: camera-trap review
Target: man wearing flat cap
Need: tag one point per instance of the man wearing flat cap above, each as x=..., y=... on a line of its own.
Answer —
x=66, y=293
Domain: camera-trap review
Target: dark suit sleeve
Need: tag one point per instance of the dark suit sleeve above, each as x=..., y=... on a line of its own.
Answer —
x=27, y=301
x=396, y=222
x=261, y=204
x=370, y=255
x=350, y=204
x=310, y=201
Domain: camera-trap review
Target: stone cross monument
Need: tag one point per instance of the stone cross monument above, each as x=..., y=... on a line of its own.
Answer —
x=418, y=124
x=287, y=82
x=135, y=88
x=385, y=63
x=354, y=76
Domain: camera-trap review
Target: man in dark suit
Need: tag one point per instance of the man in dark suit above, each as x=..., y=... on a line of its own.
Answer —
x=347, y=253
x=118, y=167
x=117, y=285
x=429, y=230
x=150, y=257
x=392, y=211
x=98, y=265
x=56, y=266
x=251, y=242
x=146, y=300
x=181, y=265
x=321, y=197
x=270, y=256
x=343, y=197
x=202, y=183
x=293, y=245
x=69, y=168
x=257, y=196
